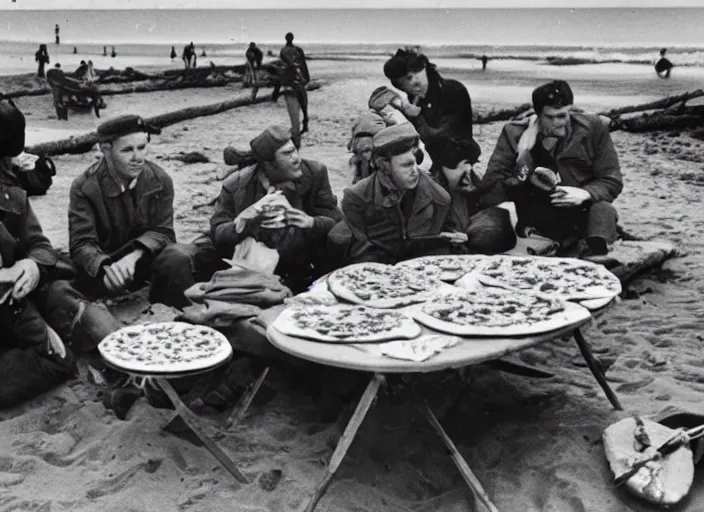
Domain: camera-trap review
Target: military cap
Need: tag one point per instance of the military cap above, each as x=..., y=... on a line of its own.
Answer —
x=555, y=94
x=395, y=139
x=124, y=125
x=269, y=141
x=367, y=125
x=450, y=151
x=404, y=62
x=12, y=125
x=381, y=97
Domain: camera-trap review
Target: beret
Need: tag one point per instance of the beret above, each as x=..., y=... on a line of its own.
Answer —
x=395, y=139
x=125, y=125
x=450, y=151
x=555, y=94
x=269, y=141
x=12, y=125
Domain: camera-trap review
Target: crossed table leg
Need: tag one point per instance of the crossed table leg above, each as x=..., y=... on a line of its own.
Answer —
x=370, y=393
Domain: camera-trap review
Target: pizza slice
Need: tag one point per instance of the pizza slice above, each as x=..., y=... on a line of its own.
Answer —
x=448, y=268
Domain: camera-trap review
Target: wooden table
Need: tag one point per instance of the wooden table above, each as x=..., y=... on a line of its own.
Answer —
x=467, y=352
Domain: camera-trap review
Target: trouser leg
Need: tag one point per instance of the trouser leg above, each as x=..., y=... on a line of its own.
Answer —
x=600, y=229
x=26, y=366
x=490, y=232
x=294, y=114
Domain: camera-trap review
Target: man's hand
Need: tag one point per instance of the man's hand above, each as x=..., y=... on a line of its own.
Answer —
x=455, y=237
x=121, y=273
x=254, y=211
x=564, y=197
x=25, y=274
x=299, y=219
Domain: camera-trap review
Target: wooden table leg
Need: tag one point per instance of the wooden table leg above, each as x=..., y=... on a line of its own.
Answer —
x=347, y=437
x=469, y=477
x=193, y=423
x=246, y=400
x=194, y=394
x=596, y=369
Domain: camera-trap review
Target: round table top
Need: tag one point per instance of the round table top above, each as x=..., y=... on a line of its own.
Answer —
x=168, y=375
x=466, y=352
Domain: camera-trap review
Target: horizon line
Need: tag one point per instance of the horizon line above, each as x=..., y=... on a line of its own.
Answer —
x=368, y=8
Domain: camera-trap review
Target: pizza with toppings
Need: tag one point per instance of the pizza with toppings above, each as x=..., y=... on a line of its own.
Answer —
x=448, y=268
x=497, y=312
x=380, y=286
x=345, y=324
x=165, y=347
x=567, y=278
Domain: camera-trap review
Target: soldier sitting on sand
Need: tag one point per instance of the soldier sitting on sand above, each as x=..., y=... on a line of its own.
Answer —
x=283, y=201
x=393, y=212
x=561, y=170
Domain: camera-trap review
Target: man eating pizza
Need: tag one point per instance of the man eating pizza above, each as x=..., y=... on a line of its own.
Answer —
x=398, y=212
x=283, y=201
x=561, y=170
x=31, y=360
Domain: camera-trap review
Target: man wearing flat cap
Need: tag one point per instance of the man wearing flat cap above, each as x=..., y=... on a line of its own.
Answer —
x=32, y=361
x=392, y=212
x=121, y=235
x=437, y=106
x=488, y=231
x=284, y=201
x=561, y=170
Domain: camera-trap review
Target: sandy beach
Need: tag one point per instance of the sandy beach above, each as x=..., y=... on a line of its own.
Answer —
x=534, y=444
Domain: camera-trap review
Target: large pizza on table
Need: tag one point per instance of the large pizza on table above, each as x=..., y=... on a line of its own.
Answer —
x=567, y=278
x=445, y=267
x=497, y=312
x=380, y=286
x=341, y=323
x=165, y=347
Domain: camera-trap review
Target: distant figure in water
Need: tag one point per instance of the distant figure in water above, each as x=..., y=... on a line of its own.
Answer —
x=663, y=66
x=113, y=53
x=203, y=54
x=173, y=53
x=75, y=50
x=56, y=33
x=42, y=58
x=485, y=59
x=105, y=51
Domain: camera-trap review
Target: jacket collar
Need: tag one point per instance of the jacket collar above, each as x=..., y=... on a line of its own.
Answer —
x=113, y=187
x=389, y=196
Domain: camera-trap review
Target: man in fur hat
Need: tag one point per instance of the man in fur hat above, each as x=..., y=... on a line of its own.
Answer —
x=284, y=201
x=562, y=171
x=436, y=106
x=388, y=211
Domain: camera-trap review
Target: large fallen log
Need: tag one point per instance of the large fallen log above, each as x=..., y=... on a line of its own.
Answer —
x=658, y=122
x=654, y=105
x=503, y=115
x=84, y=143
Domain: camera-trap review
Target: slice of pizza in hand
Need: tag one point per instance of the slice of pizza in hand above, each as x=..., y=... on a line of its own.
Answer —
x=345, y=324
x=381, y=286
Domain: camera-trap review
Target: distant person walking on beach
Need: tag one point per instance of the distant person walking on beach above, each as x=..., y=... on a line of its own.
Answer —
x=438, y=107
x=42, y=57
x=663, y=67
x=293, y=79
x=56, y=33
x=189, y=55
x=113, y=53
x=173, y=53
x=254, y=58
x=485, y=59
x=105, y=51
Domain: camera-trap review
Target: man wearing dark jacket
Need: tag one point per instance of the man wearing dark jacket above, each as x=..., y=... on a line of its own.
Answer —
x=437, y=106
x=30, y=363
x=284, y=201
x=392, y=212
x=561, y=170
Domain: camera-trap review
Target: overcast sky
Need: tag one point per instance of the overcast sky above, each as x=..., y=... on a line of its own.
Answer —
x=269, y=4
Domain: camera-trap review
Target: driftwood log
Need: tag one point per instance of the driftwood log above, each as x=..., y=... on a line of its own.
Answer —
x=83, y=143
x=504, y=114
x=670, y=113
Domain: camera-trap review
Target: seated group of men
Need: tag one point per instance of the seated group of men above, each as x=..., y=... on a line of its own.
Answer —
x=121, y=231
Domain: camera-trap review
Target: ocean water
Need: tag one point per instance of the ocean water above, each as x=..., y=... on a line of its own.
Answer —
x=145, y=36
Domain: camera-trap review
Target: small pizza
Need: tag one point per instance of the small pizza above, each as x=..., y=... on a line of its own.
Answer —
x=497, y=312
x=567, y=278
x=165, y=347
x=273, y=216
x=345, y=324
x=445, y=268
x=380, y=286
